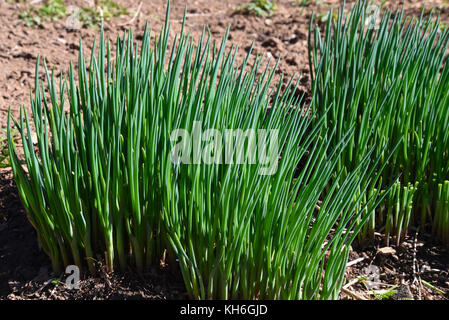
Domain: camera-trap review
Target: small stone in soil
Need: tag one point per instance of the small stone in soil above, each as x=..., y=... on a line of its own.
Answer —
x=403, y=293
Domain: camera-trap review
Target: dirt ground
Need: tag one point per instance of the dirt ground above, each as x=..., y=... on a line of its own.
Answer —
x=25, y=272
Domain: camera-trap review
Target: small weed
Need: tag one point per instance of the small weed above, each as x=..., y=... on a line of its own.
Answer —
x=91, y=17
x=385, y=295
x=262, y=8
x=53, y=10
x=49, y=11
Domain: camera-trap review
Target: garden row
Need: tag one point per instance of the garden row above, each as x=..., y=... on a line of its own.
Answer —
x=369, y=151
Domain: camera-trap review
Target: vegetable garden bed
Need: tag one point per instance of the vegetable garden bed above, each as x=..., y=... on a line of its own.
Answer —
x=284, y=33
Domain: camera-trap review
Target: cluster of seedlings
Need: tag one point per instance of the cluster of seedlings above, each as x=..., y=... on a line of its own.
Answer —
x=369, y=151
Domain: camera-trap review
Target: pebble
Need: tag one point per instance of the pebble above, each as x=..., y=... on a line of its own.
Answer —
x=387, y=251
x=403, y=293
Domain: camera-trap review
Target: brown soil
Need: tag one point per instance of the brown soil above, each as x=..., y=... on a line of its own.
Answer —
x=402, y=269
x=25, y=272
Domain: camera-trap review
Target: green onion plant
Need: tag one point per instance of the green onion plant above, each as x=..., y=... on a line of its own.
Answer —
x=390, y=80
x=91, y=186
x=101, y=182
